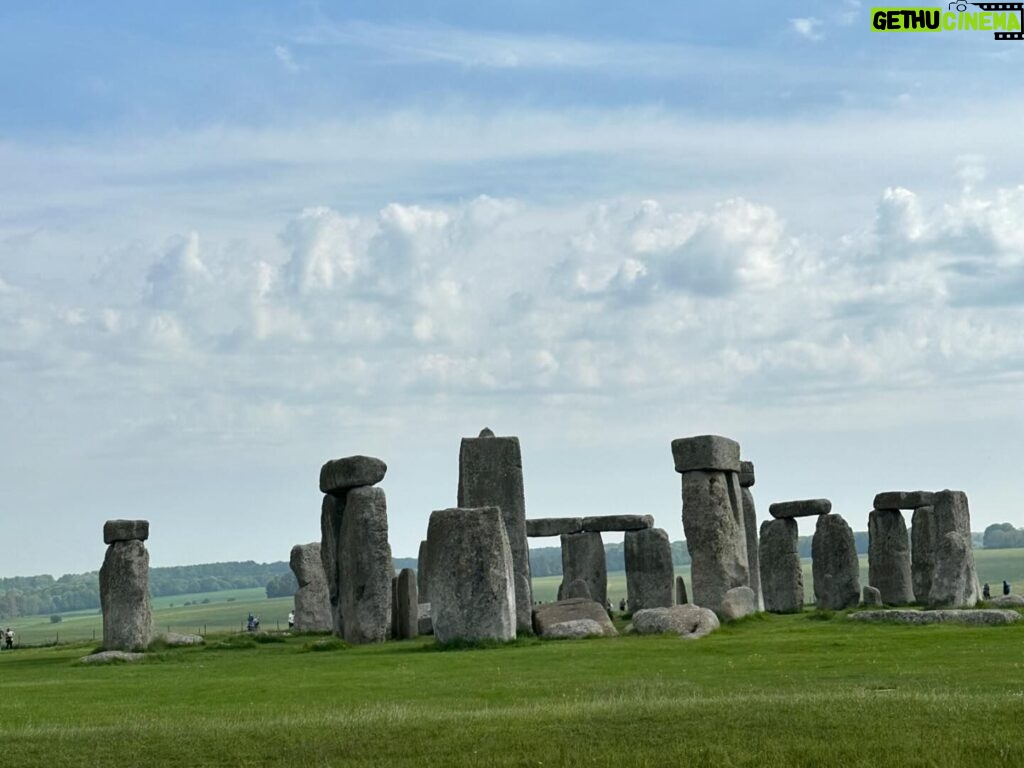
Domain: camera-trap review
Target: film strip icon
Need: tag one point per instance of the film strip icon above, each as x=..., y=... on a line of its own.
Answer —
x=1017, y=7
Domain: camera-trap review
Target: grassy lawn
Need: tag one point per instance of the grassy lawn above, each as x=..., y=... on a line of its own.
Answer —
x=768, y=691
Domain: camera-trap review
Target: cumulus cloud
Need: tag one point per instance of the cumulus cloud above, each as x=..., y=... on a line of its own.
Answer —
x=807, y=27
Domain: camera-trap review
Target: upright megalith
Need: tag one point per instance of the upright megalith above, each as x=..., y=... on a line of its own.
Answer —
x=954, y=578
x=583, y=559
x=681, y=596
x=889, y=557
x=312, y=603
x=782, y=577
x=491, y=474
x=649, y=570
x=423, y=594
x=713, y=518
x=835, y=567
x=922, y=552
x=750, y=528
x=472, y=588
x=354, y=548
x=124, y=586
x=407, y=602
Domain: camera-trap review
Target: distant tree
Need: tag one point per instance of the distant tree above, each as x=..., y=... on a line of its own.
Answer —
x=284, y=585
x=56, y=618
x=1003, y=536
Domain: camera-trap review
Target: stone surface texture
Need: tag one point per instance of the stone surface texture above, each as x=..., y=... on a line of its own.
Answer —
x=649, y=570
x=782, y=577
x=889, y=557
x=716, y=536
x=491, y=474
x=575, y=629
x=753, y=555
x=954, y=577
x=903, y=499
x=922, y=553
x=746, y=474
x=690, y=622
x=583, y=559
x=603, y=523
x=553, y=526
x=801, y=508
x=681, y=597
x=550, y=615
x=979, y=617
x=312, y=602
x=577, y=588
x=472, y=592
x=738, y=602
x=706, y=453
x=331, y=511
x=108, y=657
x=421, y=574
x=125, y=530
x=835, y=567
x=365, y=568
x=408, y=605
x=338, y=476
x=871, y=596
x=124, y=597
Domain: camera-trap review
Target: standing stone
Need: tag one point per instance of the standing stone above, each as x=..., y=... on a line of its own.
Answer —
x=649, y=570
x=954, y=578
x=922, y=553
x=408, y=605
x=681, y=598
x=472, y=589
x=491, y=474
x=782, y=576
x=331, y=511
x=889, y=557
x=750, y=528
x=124, y=594
x=365, y=567
x=738, y=602
x=312, y=603
x=575, y=590
x=421, y=574
x=583, y=559
x=715, y=535
x=394, y=607
x=872, y=597
x=835, y=566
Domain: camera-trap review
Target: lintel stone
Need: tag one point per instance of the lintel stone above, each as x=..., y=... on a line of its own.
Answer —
x=904, y=499
x=706, y=453
x=803, y=508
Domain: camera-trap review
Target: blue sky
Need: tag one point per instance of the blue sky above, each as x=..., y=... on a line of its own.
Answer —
x=239, y=239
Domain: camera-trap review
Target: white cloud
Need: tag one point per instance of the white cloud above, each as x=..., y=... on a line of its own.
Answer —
x=807, y=27
x=285, y=58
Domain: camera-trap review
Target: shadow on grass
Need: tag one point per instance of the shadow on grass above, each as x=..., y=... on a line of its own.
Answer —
x=326, y=644
x=479, y=645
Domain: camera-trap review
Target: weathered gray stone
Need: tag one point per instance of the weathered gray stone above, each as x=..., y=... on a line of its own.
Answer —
x=312, y=601
x=554, y=526
x=715, y=535
x=124, y=597
x=108, y=657
x=547, y=616
x=125, y=530
x=1006, y=601
x=738, y=602
x=340, y=475
x=331, y=512
x=424, y=624
x=922, y=553
x=176, y=639
x=394, y=608
x=578, y=628
x=871, y=596
x=681, y=597
x=753, y=556
x=365, y=567
x=472, y=592
x=649, y=569
x=603, y=523
x=583, y=558
x=408, y=600
x=690, y=622
x=986, y=617
x=835, y=567
x=782, y=576
x=421, y=574
x=708, y=453
x=903, y=499
x=746, y=474
x=577, y=588
x=954, y=578
x=889, y=557
x=802, y=508
x=491, y=474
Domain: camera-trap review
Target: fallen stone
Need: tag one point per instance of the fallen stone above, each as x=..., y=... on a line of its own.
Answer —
x=835, y=567
x=753, y=555
x=681, y=597
x=583, y=558
x=365, y=567
x=578, y=628
x=124, y=597
x=472, y=592
x=738, y=602
x=577, y=588
x=871, y=596
x=408, y=613
x=312, y=601
x=804, y=508
x=546, y=616
x=708, y=453
x=107, y=657
x=746, y=474
x=979, y=617
x=649, y=569
x=690, y=622
x=491, y=474
x=554, y=526
x=889, y=557
x=175, y=639
x=922, y=553
x=604, y=523
x=125, y=530
x=782, y=576
x=1006, y=601
x=338, y=476
x=954, y=577
x=903, y=499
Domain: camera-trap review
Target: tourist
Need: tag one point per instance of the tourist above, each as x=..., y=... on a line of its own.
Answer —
x=1006, y=587
x=986, y=593
x=9, y=638
x=291, y=619
x=622, y=605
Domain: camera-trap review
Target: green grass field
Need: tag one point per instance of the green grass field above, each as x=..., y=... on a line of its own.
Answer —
x=767, y=691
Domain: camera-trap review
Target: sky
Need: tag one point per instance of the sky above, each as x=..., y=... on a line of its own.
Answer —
x=238, y=239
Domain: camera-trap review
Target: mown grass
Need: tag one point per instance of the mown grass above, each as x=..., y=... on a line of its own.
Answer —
x=780, y=691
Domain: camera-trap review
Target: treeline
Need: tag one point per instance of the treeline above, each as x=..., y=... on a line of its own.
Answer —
x=1003, y=536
